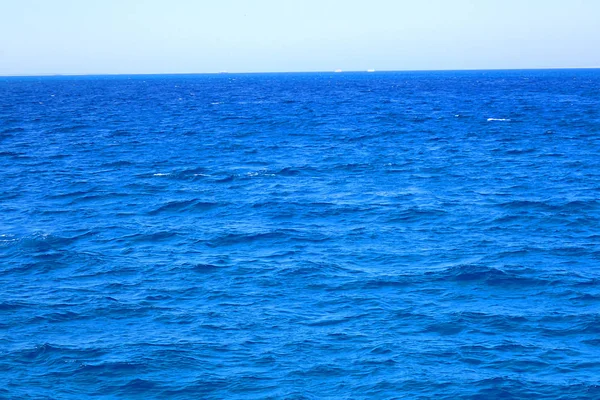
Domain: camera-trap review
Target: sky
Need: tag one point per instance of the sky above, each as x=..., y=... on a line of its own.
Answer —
x=39, y=37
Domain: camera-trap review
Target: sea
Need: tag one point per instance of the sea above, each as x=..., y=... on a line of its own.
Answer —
x=383, y=235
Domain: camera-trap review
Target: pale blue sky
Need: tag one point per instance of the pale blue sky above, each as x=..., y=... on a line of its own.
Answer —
x=180, y=36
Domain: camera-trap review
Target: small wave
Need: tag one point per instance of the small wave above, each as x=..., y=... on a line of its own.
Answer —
x=190, y=173
x=6, y=239
x=206, y=268
x=259, y=173
x=330, y=320
x=120, y=133
x=389, y=282
x=112, y=367
x=289, y=171
x=313, y=269
x=68, y=129
x=184, y=206
x=44, y=242
x=50, y=352
x=286, y=171
x=159, y=297
x=354, y=167
x=227, y=179
x=581, y=205
x=551, y=205
x=137, y=386
x=526, y=204
x=499, y=119
x=150, y=237
x=231, y=239
x=516, y=152
x=8, y=131
x=65, y=316
x=489, y=276
x=450, y=328
x=76, y=193
x=114, y=164
x=98, y=197
x=13, y=306
x=418, y=215
x=586, y=297
x=13, y=154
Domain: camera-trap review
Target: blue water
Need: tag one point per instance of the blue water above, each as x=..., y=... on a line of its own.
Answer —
x=301, y=236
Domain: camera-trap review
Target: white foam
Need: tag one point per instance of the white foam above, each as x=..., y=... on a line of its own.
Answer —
x=161, y=174
x=499, y=119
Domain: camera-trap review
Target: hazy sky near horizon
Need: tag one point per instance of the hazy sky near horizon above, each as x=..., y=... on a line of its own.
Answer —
x=188, y=36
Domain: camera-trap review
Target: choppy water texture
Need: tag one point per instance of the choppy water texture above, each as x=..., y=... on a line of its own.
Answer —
x=383, y=235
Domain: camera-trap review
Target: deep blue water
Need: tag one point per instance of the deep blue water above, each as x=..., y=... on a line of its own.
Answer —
x=301, y=236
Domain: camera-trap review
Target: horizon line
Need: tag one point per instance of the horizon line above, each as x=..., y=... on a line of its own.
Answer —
x=45, y=75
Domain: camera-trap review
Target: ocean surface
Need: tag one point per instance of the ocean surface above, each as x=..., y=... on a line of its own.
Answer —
x=393, y=235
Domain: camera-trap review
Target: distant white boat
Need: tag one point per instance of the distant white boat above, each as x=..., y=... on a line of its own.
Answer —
x=371, y=70
x=338, y=70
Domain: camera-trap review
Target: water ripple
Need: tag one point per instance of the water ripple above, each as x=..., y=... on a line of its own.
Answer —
x=310, y=236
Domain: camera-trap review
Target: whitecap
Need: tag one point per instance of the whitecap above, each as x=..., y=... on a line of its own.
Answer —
x=499, y=119
x=262, y=172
